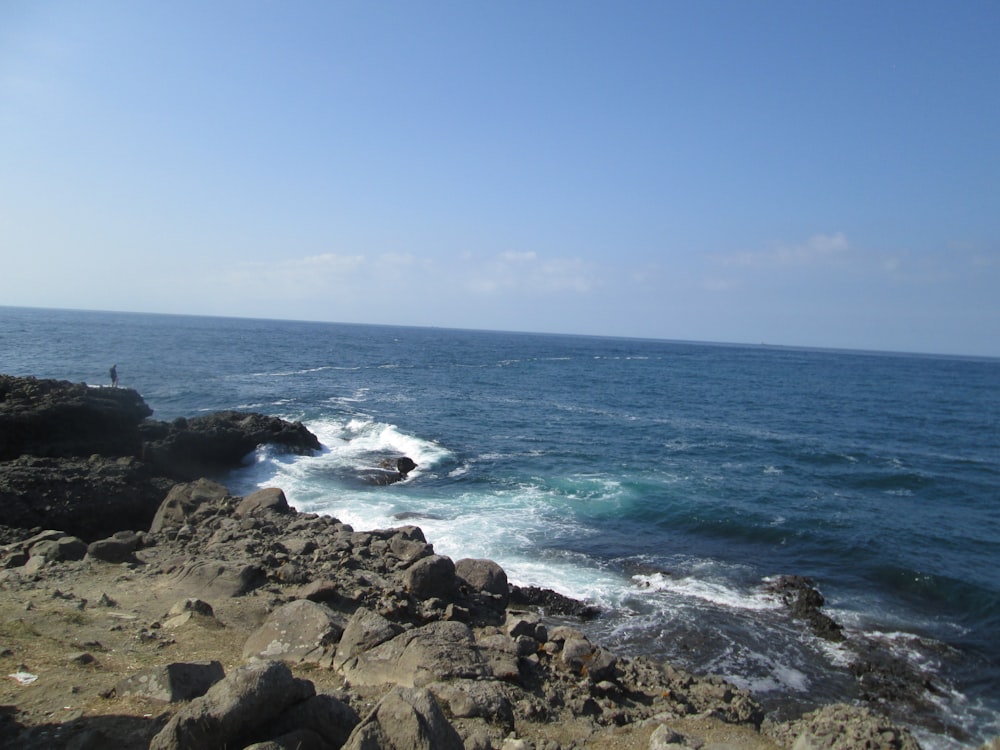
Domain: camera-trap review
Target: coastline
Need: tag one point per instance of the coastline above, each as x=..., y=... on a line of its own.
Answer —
x=105, y=601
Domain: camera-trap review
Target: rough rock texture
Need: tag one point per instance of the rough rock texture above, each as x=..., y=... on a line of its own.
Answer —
x=431, y=653
x=87, y=460
x=406, y=719
x=843, y=727
x=804, y=600
x=235, y=709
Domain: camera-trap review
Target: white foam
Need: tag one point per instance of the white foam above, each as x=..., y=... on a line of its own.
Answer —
x=707, y=591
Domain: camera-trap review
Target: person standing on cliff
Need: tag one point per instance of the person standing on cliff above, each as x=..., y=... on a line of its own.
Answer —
x=114, y=376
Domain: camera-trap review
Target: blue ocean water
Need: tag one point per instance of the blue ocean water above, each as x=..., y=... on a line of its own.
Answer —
x=664, y=481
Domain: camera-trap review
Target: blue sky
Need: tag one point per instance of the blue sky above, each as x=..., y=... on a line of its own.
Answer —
x=798, y=173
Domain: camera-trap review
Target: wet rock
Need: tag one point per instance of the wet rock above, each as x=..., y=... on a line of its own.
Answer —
x=804, y=601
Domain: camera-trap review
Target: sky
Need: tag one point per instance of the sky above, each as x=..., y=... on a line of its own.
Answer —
x=795, y=173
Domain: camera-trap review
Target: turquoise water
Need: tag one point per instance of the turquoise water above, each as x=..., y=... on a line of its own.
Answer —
x=664, y=481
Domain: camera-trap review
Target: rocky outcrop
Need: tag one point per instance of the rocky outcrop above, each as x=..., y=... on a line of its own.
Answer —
x=801, y=596
x=187, y=449
x=59, y=419
x=90, y=462
x=842, y=727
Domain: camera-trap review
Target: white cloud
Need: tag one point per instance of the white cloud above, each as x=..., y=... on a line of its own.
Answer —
x=526, y=272
x=818, y=249
x=296, y=277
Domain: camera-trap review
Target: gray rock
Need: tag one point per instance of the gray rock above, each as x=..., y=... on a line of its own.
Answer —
x=271, y=499
x=299, y=739
x=470, y=699
x=179, y=681
x=183, y=501
x=327, y=716
x=219, y=578
x=64, y=548
x=442, y=650
x=118, y=548
x=484, y=576
x=405, y=719
x=299, y=631
x=843, y=727
x=665, y=738
x=365, y=630
x=432, y=576
x=235, y=709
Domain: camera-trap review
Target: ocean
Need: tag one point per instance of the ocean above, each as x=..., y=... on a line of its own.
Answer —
x=665, y=482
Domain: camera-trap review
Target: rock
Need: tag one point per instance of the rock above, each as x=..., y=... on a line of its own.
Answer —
x=442, y=650
x=804, y=600
x=665, y=738
x=118, y=548
x=469, y=699
x=179, y=681
x=842, y=727
x=211, y=444
x=235, y=709
x=63, y=548
x=365, y=630
x=56, y=418
x=551, y=602
x=298, y=739
x=183, y=501
x=219, y=578
x=431, y=576
x=301, y=631
x=327, y=716
x=484, y=576
x=405, y=719
x=271, y=499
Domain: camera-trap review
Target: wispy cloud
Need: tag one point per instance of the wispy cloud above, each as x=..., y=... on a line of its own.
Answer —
x=526, y=272
x=295, y=277
x=818, y=249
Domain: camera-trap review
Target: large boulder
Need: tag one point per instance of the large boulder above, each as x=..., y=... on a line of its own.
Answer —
x=440, y=650
x=405, y=719
x=484, y=577
x=234, y=710
x=300, y=631
x=178, y=681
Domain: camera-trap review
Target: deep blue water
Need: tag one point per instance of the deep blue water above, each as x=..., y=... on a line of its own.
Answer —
x=664, y=481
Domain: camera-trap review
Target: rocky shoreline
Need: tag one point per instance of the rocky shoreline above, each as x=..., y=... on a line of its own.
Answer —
x=144, y=606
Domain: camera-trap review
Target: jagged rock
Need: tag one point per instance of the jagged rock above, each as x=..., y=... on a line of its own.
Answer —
x=467, y=699
x=842, y=727
x=441, y=650
x=551, y=602
x=235, y=709
x=56, y=418
x=210, y=444
x=179, y=681
x=299, y=631
x=405, y=719
x=801, y=596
